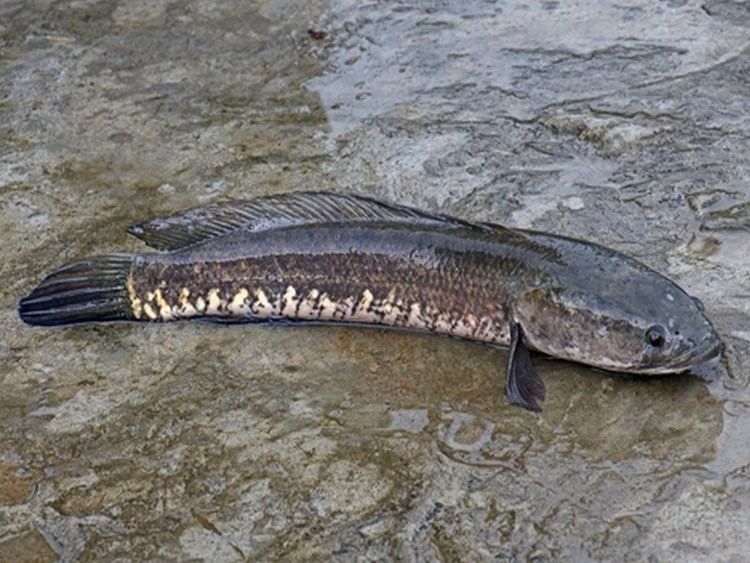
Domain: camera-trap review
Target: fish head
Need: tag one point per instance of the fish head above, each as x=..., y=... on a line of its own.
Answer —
x=653, y=328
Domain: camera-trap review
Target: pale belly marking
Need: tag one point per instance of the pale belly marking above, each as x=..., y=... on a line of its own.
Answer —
x=314, y=305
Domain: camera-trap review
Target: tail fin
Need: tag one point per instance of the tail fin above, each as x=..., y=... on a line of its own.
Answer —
x=89, y=290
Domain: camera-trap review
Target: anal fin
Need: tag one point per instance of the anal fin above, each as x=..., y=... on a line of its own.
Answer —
x=523, y=385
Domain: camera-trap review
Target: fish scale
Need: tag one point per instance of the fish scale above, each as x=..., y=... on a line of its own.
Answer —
x=335, y=283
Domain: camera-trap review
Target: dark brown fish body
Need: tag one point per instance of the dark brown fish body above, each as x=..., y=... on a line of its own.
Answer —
x=447, y=279
x=344, y=259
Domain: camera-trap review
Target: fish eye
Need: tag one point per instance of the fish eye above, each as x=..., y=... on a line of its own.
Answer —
x=656, y=336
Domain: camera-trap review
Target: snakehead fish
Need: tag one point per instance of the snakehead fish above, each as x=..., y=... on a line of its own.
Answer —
x=333, y=258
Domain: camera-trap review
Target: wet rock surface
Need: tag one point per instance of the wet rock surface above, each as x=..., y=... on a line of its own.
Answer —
x=626, y=124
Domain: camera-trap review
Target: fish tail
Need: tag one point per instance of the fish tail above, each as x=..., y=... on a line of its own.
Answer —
x=92, y=289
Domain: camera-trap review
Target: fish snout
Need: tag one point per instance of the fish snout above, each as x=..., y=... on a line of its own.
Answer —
x=696, y=353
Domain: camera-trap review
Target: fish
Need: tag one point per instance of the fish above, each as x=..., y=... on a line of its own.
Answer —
x=324, y=257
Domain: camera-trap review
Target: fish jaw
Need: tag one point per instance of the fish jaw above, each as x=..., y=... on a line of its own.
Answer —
x=706, y=352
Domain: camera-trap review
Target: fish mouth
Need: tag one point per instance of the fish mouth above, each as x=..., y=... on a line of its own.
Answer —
x=709, y=349
x=706, y=351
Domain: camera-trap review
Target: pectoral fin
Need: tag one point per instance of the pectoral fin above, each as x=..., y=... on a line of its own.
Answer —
x=522, y=384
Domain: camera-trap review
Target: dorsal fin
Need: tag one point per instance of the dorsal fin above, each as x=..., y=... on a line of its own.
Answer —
x=272, y=212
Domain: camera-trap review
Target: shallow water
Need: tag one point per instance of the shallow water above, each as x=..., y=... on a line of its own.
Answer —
x=625, y=124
